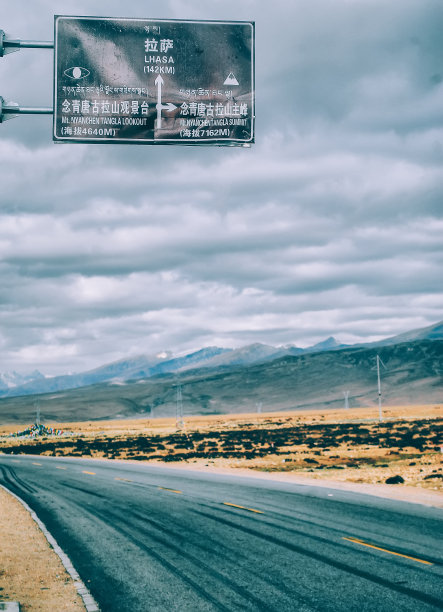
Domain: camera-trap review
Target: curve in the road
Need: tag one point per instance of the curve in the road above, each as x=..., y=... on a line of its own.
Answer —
x=155, y=539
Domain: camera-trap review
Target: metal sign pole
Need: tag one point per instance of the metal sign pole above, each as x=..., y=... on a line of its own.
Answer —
x=8, y=45
x=11, y=110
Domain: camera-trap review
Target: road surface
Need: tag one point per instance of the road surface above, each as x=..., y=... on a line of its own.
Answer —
x=150, y=538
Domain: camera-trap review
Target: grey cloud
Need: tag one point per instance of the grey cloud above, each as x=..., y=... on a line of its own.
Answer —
x=329, y=224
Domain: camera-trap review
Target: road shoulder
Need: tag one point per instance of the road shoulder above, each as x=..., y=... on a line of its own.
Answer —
x=397, y=492
x=30, y=571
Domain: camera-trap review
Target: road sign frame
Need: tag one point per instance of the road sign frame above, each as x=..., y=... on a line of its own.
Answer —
x=189, y=122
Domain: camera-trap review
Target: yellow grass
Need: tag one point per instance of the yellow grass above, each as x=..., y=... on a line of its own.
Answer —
x=30, y=571
x=210, y=422
x=352, y=462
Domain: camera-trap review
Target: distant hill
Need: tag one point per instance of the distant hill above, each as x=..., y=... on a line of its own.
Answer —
x=142, y=366
x=252, y=353
x=327, y=345
x=12, y=380
x=432, y=332
x=146, y=366
x=414, y=374
x=212, y=358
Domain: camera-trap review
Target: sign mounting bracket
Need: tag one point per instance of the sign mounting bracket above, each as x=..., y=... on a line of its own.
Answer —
x=8, y=45
x=10, y=110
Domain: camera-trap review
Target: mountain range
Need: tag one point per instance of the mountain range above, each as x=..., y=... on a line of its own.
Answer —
x=13, y=380
x=218, y=380
x=147, y=366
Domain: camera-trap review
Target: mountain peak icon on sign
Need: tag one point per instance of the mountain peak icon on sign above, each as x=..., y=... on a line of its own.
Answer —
x=231, y=80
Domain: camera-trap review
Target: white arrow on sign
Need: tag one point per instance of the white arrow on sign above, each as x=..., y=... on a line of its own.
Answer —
x=169, y=107
x=159, y=106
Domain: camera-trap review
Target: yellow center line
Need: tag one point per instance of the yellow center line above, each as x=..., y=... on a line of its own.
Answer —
x=391, y=552
x=171, y=490
x=123, y=479
x=91, y=473
x=243, y=508
x=34, y=463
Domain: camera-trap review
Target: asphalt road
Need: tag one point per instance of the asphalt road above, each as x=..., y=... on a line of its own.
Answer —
x=147, y=538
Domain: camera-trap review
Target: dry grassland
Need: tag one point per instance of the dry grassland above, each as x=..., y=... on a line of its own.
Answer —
x=30, y=571
x=341, y=445
x=345, y=445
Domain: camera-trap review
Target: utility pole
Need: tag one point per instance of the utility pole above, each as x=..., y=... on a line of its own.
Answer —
x=346, y=394
x=37, y=413
x=379, y=361
x=179, y=408
x=259, y=405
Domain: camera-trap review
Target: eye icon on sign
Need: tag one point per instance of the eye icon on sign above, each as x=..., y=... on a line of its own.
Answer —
x=77, y=73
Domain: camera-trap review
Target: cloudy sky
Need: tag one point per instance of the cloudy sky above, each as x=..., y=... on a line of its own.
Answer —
x=330, y=224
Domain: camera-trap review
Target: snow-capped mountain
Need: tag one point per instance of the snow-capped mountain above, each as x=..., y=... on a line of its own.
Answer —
x=147, y=366
x=10, y=380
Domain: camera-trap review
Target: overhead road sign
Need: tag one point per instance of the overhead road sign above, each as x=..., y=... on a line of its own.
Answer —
x=153, y=81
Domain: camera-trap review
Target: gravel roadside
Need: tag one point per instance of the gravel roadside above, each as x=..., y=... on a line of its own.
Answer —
x=30, y=571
